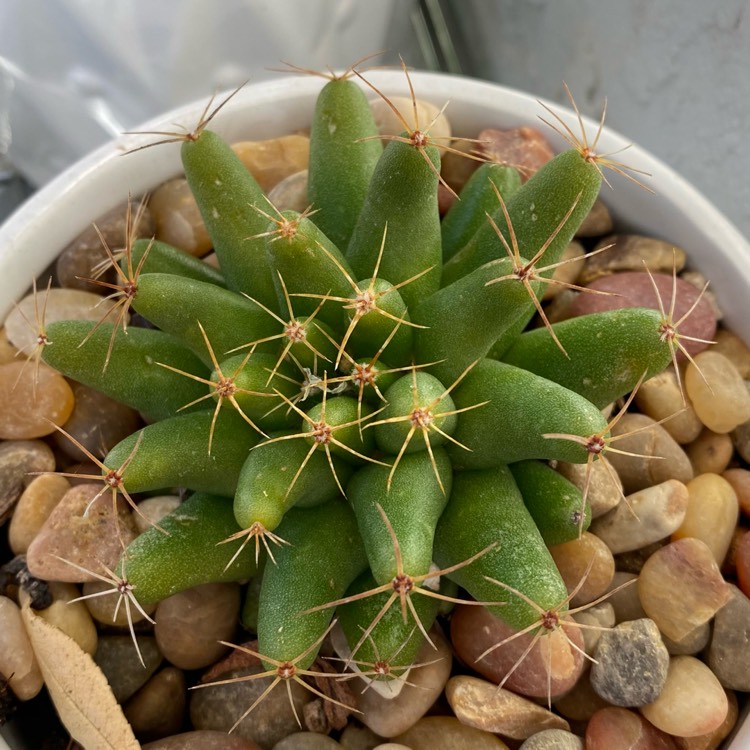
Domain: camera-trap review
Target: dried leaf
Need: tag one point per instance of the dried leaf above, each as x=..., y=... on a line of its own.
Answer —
x=78, y=688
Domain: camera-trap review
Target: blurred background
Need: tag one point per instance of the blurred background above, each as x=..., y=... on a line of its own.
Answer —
x=74, y=73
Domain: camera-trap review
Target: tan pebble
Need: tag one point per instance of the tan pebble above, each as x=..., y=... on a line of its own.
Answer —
x=8, y=352
x=448, y=733
x=713, y=740
x=388, y=123
x=17, y=662
x=573, y=260
x=178, y=219
x=482, y=705
x=740, y=481
x=615, y=728
x=698, y=280
x=692, y=701
x=717, y=391
x=90, y=541
x=102, y=608
x=624, y=597
x=595, y=620
x=581, y=702
x=203, y=739
x=604, y=486
x=646, y=517
x=524, y=148
x=598, y=221
x=681, y=587
x=710, y=452
x=391, y=746
x=628, y=253
x=712, y=514
x=28, y=410
x=20, y=461
x=34, y=506
x=356, y=737
x=291, y=193
x=153, y=509
x=273, y=160
x=575, y=558
x=456, y=168
x=694, y=642
x=157, y=709
x=659, y=458
x=734, y=349
x=661, y=398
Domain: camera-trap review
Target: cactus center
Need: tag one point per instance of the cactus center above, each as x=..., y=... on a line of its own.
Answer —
x=402, y=584
x=364, y=303
x=667, y=332
x=321, y=432
x=113, y=478
x=42, y=340
x=363, y=375
x=124, y=588
x=382, y=668
x=550, y=620
x=421, y=417
x=288, y=229
x=225, y=387
x=295, y=331
x=595, y=444
x=286, y=670
x=419, y=139
x=129, y=289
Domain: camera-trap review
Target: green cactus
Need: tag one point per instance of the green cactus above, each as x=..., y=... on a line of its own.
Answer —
x=358, y=422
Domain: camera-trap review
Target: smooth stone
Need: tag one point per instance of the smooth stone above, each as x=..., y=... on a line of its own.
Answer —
x=681, y=587
x=157, y=710
x=631, y=664
x=97, y=422
x=693, y=643
x=77, y=261
x=118, y=659
x=219, y=707
x=428, y=114
x=483, y=705
x=178, y=219
x=153, y=509
x=604, y=486
x=620, y=729
x=580, y=703
x=712, y=740
x=633, y=561
x=632, y=252
x=710, y=452
x=358, y=737
x=31, y=403
x=661, y=398
x=20, y=460
x=646, y=517
x=624, y=598
x=475, y=629
x=291, y=193
x=597, y=222
x=456, y=168
x=72, y=617
x=600, y=617
x=18, y=664
x=190, y=624
x=33, y=508
x=701, y=283
x=390, y=717
x=525, y=148
x=91, y=541
x=729, y=652
x=448, y=733
x=740, y=481
x=103, y=608
x=734, y=349
x=202, y=739
x=272, y=160
x=552, y=739
x=572, y=261
x=717, y=391
x=306, y=741
x=635, y=289
x=741, y=440
x=585, y=563
x=692, y=702
x=659, y=457
x=712, y=513
x=391, y=746
x=742, y=561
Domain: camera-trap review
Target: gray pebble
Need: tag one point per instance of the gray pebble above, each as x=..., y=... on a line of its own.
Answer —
x=17, y=459
x=729, y=652
x=632, y=664
x=306, y=741
x=117, y=658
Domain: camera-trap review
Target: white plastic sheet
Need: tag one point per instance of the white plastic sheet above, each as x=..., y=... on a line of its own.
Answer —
x=74, y=73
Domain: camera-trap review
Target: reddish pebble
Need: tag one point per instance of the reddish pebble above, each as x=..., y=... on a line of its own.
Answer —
x=621, y=729
x=742, y=561
x=636, y=290
x=740, y=481
x=524, y=148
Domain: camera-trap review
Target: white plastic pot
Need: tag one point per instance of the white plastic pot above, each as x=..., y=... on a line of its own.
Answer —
x=39, y=230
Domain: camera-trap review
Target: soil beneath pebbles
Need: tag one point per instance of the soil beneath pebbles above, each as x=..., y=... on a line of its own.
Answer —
x=671, y=649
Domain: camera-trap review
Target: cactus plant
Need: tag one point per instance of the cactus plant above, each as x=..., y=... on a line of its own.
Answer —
x=375, y=397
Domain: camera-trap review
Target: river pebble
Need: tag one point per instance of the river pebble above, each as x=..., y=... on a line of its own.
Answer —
x=291, y=193
x=742, y=561
x=734, y=349
x=306, y=741
x=158, y=708
x=457, y=168
x=475, y=629
x=118, y=659
x=524, y=148
x=692, y=701
x=357, y=737
x=595, y=619
x=31, y=403
x=621, y=729
x=581, y=702
x=17, y=661
x=681, y=587
x=740, y=481
x=604, y=486
x=623, y=596
x=633, y=561
x=729, y=652
x=33, y=508
x=631, y=664
x=712, y=513
x=713, y=740
x=693, y=643
x=77, y=261
x=717, y=391
x=659, y=457
x=428, y=114
x=448, y=733
x=710, y=452
x=190, y=624
x=102, y=608
x=630, y=252
x=480, y=704
x=203, y=739
x=585, y=563
x=178, y=219
x=273, y=160
x=90, y=541
x=20, y=460
x=660, y=397
x=553, y=739
x=648, y=516
x=153, y=509
x=390, y=717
